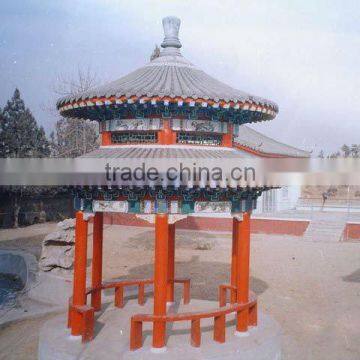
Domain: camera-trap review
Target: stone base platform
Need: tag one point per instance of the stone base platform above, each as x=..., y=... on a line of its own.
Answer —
x=112, y=331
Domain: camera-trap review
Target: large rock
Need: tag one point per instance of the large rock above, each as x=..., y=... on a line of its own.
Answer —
x=66, y=224
x=57, y=257
x=64, y=237
x=58, y=247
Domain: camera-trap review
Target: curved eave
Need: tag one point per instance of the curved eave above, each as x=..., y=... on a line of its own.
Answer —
x=261, y=145
x=80, y=108
x=262, y=154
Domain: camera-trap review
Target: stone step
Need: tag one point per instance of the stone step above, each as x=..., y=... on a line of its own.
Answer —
x=323, y=230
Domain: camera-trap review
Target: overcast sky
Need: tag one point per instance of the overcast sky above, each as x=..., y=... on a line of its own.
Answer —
x=304, y=55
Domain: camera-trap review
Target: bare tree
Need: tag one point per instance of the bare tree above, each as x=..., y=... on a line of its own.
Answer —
x=70, y=85
x=73, y=137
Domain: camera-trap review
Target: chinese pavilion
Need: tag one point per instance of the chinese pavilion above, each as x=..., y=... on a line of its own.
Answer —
x=169, y=109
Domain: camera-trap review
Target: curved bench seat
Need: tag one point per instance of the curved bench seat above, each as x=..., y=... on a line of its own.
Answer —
x=86, y=312
x=218, y=314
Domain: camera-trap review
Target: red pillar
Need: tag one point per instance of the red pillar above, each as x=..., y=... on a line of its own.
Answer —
x=243, y=271
x=227, y=139
x=233, y=277
x=160, y=277
x=166, y=135
x=96, y=274
x=171, y=263
x=106, y=138
x=79, y=290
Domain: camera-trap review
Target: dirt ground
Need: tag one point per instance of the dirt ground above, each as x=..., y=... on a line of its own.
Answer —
x=311, y=288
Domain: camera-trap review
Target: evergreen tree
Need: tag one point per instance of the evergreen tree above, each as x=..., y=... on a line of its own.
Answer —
x=20, y=134
x=2, y=139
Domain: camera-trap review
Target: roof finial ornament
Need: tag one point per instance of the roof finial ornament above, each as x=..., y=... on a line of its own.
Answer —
x=171, y=26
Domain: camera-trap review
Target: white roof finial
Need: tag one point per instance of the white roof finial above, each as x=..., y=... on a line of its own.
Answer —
x=171, y=26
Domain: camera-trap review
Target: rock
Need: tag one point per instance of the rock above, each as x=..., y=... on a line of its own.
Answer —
x=57, y=257
x=204, y=245
x=66, y=224
x=65, y=236
x=58, y=247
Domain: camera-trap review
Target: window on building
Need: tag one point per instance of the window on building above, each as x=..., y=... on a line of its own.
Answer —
x=198, y=139
x=140, y=137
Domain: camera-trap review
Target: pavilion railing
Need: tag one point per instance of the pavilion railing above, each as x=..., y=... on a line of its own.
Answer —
x=86, y=312
x=219, y=315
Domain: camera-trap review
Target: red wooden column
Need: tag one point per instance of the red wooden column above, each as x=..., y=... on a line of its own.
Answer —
x=243, y=271
x=227, y=139
x=166, y=135
x=79, y=290
x=233, y=277
x=171, y=264
x=96, y=274
x=160, y=278
x=106, y=138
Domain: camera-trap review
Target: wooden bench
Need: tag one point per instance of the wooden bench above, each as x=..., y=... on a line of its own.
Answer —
x=87, y=312
x=218, y=314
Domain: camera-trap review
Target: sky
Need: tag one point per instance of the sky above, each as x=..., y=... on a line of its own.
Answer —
x=304, y=55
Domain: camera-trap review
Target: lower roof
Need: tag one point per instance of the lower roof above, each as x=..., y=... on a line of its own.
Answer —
x=166, y=151
x=262, y=144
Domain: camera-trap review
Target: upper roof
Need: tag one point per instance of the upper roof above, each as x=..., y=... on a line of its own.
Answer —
x=251, y=139
x=170, y=78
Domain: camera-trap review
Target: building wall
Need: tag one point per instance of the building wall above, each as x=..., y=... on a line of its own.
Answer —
x=281, y=199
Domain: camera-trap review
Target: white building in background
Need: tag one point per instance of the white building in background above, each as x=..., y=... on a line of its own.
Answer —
x=260, y=145
x=285, y=198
